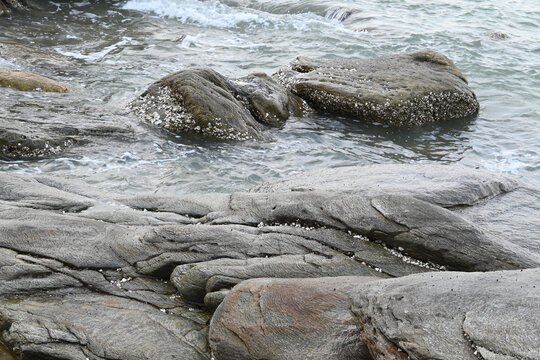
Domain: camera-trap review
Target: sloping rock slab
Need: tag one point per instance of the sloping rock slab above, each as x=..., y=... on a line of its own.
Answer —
x=201, y=101
x=293, y=319
x=491, y=316
x=403, y=90
x=92, y=326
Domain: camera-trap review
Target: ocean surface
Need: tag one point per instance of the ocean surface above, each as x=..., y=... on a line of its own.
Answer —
x=108, y=52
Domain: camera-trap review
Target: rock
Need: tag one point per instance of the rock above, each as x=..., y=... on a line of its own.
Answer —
x=25, y=81
x=269, y=102
x=7, y=5
x=70, y=254
x=35, y=129
x=402, y=90
x=445, y=315
x=492, y=316
x=497, y=35
x=93, y=326
x=203, y=102
x=276, y=319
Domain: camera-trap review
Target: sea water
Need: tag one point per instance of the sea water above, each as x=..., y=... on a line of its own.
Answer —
x=109, y=52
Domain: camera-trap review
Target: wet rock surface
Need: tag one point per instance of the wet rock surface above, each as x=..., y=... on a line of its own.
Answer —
x=47, y=127
x=203, y=102
x=403, y=90
x=6, y=6
x=26, y=81
x=150, y=266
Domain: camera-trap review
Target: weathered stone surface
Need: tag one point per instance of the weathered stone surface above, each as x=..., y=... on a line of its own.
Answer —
x=269, y=102
x=462, y=316
x=446, y=315
x=288, y=319
x=35, y=129
x=22, y=80
x=64, y=242
x=403, y=90
x=6, y=6
x=201, y=101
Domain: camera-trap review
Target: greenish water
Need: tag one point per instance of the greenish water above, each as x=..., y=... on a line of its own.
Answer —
x=110, y=51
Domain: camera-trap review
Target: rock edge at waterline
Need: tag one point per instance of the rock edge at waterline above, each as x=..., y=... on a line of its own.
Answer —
x=408, y=89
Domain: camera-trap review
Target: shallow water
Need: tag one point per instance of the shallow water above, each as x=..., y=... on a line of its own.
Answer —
x=110, y=51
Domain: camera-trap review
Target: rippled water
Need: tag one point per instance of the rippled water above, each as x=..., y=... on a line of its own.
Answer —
x=110, y=51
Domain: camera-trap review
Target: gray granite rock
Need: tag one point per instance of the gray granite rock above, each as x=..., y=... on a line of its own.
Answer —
x=489, y=316
x=276, y=319
x=62, y=242
x=403, y=90
x=447, y=315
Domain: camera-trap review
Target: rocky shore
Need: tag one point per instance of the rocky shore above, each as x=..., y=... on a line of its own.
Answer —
x=103, y=276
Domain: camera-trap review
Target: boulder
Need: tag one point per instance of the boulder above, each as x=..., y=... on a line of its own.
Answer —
x=276, y=319
x=445, y=315
x=407, y=89
x=22, y=80
x=201, y=101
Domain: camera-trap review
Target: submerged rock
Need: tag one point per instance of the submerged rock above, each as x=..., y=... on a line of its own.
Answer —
x=402, y=90
x=35, y=129
x=25, y=81
x=491, y=316
x=203, y=102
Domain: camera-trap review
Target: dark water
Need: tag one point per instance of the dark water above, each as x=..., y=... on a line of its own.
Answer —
x=108, y=52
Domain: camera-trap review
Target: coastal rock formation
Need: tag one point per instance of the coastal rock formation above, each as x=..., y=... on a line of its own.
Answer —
x=36, y=129
x=22, y=80
x=446, y=315
x=295, y=319
x=402, y=90
x=6, y=6
x=70, y=255
x=201, y=101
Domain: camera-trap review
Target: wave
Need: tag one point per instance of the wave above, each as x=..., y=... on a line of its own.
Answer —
x=283, y=14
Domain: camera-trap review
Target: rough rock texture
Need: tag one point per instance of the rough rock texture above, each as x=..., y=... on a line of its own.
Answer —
x=403, y=90
x=288, y=319
x=89, y=256
x=203, y=102
x=6, y=6
x=22, y=80
x=35, y=129
x=490, y=316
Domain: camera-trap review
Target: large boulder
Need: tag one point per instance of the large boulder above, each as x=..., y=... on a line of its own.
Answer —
x=22, y=80
x=295, y=319
x=447, y=315
x=402, y=90
x=202, y=101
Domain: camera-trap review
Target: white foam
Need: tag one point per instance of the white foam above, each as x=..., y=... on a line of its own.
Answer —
x=93, y=56
x=205, y=13
x=213, y=13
